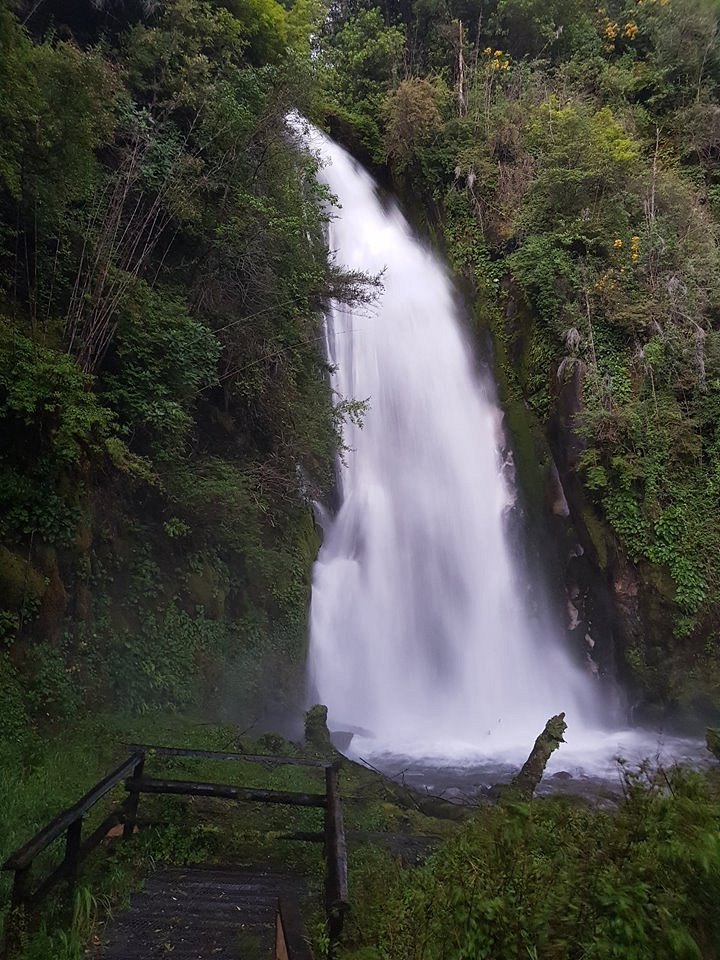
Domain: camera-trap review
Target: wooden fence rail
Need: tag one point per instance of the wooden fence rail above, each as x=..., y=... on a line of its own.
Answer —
x=131, y=772
x=70, y=822
x=265, y=758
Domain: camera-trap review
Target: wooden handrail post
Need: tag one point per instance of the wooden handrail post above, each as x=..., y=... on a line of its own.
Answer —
x=21, y=884
x=131, y=804
x=336, y=897
x=71, y=861
x=16, y=923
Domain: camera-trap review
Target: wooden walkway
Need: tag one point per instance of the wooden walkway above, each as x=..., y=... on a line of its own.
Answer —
x=209, y=913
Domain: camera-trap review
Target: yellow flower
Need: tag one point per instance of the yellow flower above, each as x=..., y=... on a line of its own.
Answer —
x=617, y=243
x=633, y=256
x=505, y=64
x=487, y=51
x=611, y=29
x=635, y=239
x=629, y=30
x=498, y=53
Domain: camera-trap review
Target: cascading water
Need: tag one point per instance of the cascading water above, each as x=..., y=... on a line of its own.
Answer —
x=419, y=629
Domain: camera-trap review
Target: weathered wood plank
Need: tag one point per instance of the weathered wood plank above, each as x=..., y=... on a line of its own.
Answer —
x=222, y=755
x=207, y=914
x=336, y=844
x=336, y=882
x=73, y=838
x=133, y=799
x=227, y=791
x=290, y=923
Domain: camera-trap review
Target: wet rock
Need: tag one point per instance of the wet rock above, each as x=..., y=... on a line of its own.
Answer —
x=341, y=739
x=712, y=738
x=317, y=734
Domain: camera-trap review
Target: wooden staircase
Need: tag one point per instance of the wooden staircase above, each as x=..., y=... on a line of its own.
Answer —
x=209, y=913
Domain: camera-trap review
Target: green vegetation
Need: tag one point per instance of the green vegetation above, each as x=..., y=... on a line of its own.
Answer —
x=164, y=405
x=165, y=419
x=552, y=879
x=549, y=878
x=568, y=151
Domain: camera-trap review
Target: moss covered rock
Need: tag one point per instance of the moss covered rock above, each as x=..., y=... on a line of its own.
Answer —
x=317, y=735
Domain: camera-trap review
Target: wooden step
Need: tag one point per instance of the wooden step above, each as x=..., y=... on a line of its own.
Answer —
x=203, y=914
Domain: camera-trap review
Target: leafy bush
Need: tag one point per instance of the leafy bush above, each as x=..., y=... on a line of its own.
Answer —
x=556, y=880
x=158, y=665
x=52, y=683
x=165, y=358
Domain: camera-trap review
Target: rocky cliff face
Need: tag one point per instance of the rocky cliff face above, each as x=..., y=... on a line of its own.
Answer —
x=619, y=615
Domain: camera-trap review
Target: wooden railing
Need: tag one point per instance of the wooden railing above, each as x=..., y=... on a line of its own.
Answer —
x=336, y=883
x=70, y=821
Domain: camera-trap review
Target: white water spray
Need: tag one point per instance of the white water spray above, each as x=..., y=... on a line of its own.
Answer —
x=419, y=628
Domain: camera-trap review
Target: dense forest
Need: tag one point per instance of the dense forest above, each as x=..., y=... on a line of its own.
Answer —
x=166, y=419
x=165, y=411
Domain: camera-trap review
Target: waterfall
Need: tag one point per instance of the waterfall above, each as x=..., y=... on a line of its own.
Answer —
x=419, y=627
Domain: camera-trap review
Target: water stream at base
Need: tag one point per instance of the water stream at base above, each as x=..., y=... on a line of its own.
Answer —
x=421, y=636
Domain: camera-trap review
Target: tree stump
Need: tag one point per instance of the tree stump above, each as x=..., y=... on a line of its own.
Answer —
x=524, y=784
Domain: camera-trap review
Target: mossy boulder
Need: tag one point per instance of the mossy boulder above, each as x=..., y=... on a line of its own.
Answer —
x=317, y=735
